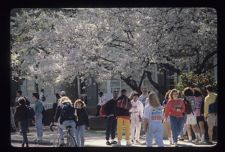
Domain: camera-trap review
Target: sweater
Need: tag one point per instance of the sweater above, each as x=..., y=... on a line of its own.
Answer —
x=110, y=107
x=174, y=108
x=123, y=106
x=82, y=117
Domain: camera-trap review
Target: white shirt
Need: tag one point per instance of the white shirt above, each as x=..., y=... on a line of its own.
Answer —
x=143, y=98
x=137, y=108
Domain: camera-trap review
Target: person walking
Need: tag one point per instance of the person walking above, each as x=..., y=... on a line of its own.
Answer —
x=191, y=121
x=55, y=105
x=65, y=115
x=210, y=111
x=136, y=118
x=123, y=105
x=82, y=121
x=38, y=108
x=153, y=117
x=199, y=112
x=101, y=101
x=110, y=110
x=174, y=109
x=22, y=116
x=167, y=123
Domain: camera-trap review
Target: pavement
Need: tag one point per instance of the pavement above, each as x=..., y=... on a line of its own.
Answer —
x=93, y=138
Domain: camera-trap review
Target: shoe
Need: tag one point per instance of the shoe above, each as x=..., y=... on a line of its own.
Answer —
x=128, y=143
x=209, y=142
x=138, y=141
x=113, y=142
x=108, y=143
x=175, y=144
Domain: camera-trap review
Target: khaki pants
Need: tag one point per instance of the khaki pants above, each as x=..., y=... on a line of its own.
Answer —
x=121, y=122
x=212, y=119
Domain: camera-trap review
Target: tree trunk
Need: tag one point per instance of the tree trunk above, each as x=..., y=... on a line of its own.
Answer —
x=161, y=89
x=131, y=83
x=36, y=85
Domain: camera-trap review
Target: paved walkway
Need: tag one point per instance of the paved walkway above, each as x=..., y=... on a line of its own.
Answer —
x=93, y=138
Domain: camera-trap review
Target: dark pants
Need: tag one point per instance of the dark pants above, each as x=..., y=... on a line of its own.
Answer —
x=176, y=126
x=98, y=109
x=111, y=127
x=24, y=129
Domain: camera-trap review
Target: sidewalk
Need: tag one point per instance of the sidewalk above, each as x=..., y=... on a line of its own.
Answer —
x=93, y=138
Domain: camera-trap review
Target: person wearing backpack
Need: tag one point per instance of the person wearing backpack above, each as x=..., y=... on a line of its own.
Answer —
x=210, y=111
x=81, y=120
x=191, y=121
x=136, y=118
x=38, y=109
x=110, y=110
x=123, y=105
x=22, y=116
x=65, y=115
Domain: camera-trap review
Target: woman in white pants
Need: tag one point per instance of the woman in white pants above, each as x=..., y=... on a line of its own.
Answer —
x=136, y=118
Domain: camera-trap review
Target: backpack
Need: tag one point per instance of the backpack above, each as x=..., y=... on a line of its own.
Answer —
x=30, y=112
x=102, y=111
x=213, y=106
x=124, y=103
x=67, y=112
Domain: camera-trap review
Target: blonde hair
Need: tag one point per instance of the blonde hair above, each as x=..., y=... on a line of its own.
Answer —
x=153, y=100
x=171, y=93
x=64, y=98
x=81, y=101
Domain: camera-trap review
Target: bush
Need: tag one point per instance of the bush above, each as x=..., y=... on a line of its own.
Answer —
x=195, y=80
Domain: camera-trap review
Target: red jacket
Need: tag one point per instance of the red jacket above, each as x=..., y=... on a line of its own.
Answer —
x=175, y=108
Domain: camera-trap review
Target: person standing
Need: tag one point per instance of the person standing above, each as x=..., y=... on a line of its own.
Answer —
x=136, y=118
x=144, y=96
x=55, y=105
x=123, y=105
x=81, y=120
x=153, y=117
x=21, y=115
x=101, y=101
x=174, y=109
x=191, y=121
x=210, y=111
x=42, y=95
x=38, y=108
x=199, y=112
x=110, y=110
x=167, y=123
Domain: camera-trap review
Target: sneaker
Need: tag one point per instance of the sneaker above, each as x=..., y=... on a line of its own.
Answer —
x=108, y=143
x=138, y=141
x=113, y=142
x=209, y=142
x=128, y=144
x=175, y=144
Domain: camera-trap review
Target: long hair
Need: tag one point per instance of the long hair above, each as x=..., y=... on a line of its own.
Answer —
x=167, y=94
x=171, y=93
x=153, y=100
x=81, y=101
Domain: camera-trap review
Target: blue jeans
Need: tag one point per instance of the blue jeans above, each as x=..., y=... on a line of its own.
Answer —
x=176, y=126
x=39, y=125
x=111, y=127
x=80, y=135
x=63, y=127
x=155, y=130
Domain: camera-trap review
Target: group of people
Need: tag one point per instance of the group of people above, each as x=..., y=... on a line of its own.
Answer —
x=179, y=113
x=138, y=114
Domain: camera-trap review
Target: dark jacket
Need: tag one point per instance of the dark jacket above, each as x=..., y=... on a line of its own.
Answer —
x=110, y=107
x=58, y=114
x=82, y=117
x=21, y=113
x=126, y=106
